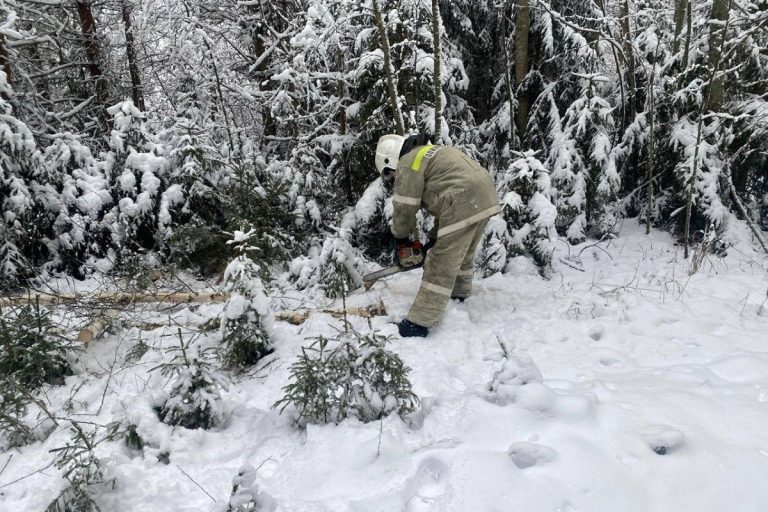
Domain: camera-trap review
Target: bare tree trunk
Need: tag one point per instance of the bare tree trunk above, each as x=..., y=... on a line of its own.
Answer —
x=342, y=120
x=88, y=27
x=137, y=91
x=522, y=28
x=5, y=63
x=651, y=140
x=436, y=71
x=680, y=6
x=718, y=24
x=630, y=56
x=388, y=70
x=687, y=50
x=507, y=74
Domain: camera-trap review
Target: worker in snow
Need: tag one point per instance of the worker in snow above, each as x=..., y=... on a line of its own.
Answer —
x=461, y=196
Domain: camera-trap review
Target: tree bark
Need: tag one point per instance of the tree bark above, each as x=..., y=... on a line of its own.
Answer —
x=88, y=27
x=718, y=27
x=630, y=56
x=507, y=75
x=680, y=7
x=687, y=50
x=522, y=29
x=5, y=63
x=651, y=137
x=388, y=70
x=436, y=71
x=137, y=91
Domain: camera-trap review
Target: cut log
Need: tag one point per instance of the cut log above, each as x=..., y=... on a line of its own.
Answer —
x=97, y=327
x=300, y=316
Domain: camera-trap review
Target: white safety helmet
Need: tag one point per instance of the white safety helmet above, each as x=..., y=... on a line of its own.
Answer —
x=388, y=152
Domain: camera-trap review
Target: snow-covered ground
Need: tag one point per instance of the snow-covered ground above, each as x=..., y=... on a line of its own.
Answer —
x=654, y=397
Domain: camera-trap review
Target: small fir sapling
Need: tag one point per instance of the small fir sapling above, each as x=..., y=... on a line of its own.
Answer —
x=246, y=319
x=82, y=469
x=14, y=432
x=31, y=353
x=351, y=375
x=527, y=224
x=194, y=400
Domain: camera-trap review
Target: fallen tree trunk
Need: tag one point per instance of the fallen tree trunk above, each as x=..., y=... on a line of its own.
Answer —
x=100, y=324
x=116, y=298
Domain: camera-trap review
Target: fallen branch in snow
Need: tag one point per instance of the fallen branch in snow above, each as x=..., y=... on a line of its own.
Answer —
x=197, y=484
x=737, y=200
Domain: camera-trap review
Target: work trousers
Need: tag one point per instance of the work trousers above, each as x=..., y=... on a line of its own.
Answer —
x=448, y=273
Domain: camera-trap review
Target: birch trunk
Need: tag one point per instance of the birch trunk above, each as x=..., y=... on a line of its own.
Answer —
x=436, y=71
x=388, y=70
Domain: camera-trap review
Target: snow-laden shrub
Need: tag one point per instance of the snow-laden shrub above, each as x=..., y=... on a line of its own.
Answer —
x=246, y=496
x=335, y=268
x=583, y=164
x=527, y=224
x=368, y=222
x=246, y=318
x=517, y=371
x=351, y=375
x=31, y=353
x=194, y=400
x=18, y=157
x=145, y=202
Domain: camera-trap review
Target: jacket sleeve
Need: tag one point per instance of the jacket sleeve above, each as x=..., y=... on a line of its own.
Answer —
x=409, y=186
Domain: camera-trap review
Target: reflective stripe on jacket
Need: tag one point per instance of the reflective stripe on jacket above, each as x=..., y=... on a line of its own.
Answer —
x=448, y=184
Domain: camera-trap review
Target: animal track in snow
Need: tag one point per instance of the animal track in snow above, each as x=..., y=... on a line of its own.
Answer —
x=426, y=486
x=596, y=332
x=526, y=455
x=663, y=439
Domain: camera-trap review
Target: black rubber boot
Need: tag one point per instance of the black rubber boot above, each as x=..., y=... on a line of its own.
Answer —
x=409, y=329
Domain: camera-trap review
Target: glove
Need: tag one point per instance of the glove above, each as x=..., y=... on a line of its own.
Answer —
x=408, y=254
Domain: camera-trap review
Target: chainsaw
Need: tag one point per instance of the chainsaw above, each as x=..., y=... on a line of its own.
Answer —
x=419, y=254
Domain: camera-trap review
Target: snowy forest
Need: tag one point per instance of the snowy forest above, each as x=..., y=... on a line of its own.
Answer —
x=221, y=153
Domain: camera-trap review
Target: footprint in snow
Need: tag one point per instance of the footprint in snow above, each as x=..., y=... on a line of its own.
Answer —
x=663, y=439
x=525, y=455
x=596, y=332
x=426, y=486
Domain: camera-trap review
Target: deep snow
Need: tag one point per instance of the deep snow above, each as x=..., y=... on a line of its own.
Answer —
x=652, y=397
